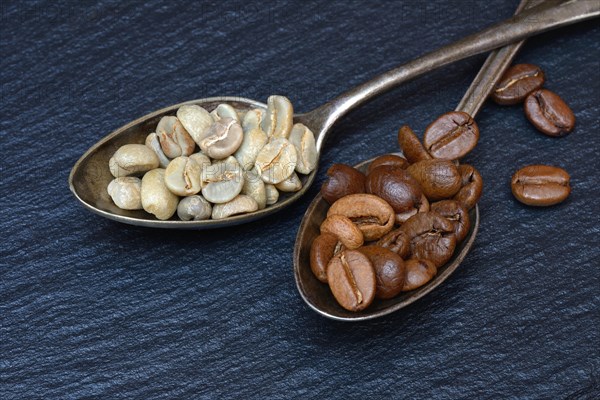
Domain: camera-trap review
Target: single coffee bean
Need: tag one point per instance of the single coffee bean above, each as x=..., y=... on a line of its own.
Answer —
x=255, y=188
x=389, y=270
x=451, y=136
x=549, y=113
x=471, y=186
x=439, y=179
x=457, y=213
x=418, y=273
x=196, y=121
x=343, y=228
x=431, y=237
x=540, y=185
x=157, y=199
x=224, y=111
x=182, y=176
x=194, y=208
x=222, y=181
x=424, y=207
x=153, y=143
x=125, y=192
x=242, y=204
x=304, y=140
x=276, y=161
x=352, y=280
x=517, y=82
x=322, y=250
x=174, y=139
x=272, y=194
x=132, y=159
x=388, y=159
x=279, y=118
x=254, y=139
x=396, y=241
x=222, y=139
x=342, y=180
x=411, y=146
x=371, y=214
x=396, y=186
x=290, y=184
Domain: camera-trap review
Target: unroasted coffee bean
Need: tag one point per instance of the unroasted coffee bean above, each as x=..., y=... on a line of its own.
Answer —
x=457, y=213
x=389, y=270
x=222, y=181
x=396, y=186
x=451, y=136
x=255, y=188
x=549, y=113
x=276, y=161
x=343, y=180
x=352, y=280
x=373, y=215
x=254, y=139
x=125, y=192
x=174, y=139
x=471, y=186
x=182, y=176
x=242, y=204
x=304, y=140
x=157, y=199
x=431, y=237
x=388, y=159
x=291, y=184
x=397, y=241
x=194, y=208
x=517, y=82
x=132, y=159
x=224, y=111
x=153, y=143
x=418, y=273
x=424, y=207
x=439, y=179
x=411, y=146
x=222, y=139
x=272, y=194
x=196, y=121
x=322, y=250
x=540, y=185
x=343, y=228
x=279, y=118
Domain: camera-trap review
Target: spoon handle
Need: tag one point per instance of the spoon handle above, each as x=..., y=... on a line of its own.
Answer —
x=492, y=70
x=554, y=14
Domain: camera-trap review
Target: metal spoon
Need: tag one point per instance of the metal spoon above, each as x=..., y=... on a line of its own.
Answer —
x=90, y=175
x=317, y=294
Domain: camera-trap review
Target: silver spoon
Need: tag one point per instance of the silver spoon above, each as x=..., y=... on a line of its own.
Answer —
x=317, y=294
x=90, y=174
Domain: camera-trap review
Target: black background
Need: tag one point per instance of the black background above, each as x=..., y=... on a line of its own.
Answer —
x=93, y=308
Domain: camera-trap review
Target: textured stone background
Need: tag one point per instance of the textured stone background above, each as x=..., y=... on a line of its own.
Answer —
x=90, y=308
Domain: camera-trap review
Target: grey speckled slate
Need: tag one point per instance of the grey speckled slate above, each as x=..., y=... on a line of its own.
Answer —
x=90, y=308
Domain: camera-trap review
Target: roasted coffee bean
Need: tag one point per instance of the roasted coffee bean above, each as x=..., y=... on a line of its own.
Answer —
x=471, y=186
x=457, y=213
x=371, y=214
x=343, y=180
x=352, y=280
x=396, y=241
x=389, y=270
x=439, y=179
x=388, y=159
x=424, y=207
x=322, y=250
x=540, y=185
x=431, y=237
x=517, y=82
x=343, y=228
x=411, y=146
x=396, y=186
x=549, y=113
x=418, y=273
x=451, y=136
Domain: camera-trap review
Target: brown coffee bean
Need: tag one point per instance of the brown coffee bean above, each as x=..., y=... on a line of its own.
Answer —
x=371, y=214
x=451, y=136
x=343, y=228
x=396, y=186
x=549, y=113
x=517, y=82
x=418, y=273
x=389, y=270
x=352, y=280
x=471, y=186
x=540, y=185
x=388, y=159
x=322, y=250
x=424, y=207
x=431, y=237
x=397, y=241
x=411, y=146
x=343, y=180
x=439, y=179
x=457, y=213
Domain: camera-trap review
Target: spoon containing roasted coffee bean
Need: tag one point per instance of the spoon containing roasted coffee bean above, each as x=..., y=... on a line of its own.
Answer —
x=267, y=141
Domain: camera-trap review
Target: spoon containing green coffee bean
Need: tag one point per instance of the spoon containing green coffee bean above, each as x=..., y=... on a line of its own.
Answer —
x=91, y=175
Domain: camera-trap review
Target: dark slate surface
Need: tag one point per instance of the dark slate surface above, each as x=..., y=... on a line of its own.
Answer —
x=90, y=308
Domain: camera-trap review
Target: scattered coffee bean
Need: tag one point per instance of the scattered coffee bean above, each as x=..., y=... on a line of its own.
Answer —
x=182, y=176
x=241, y=204
x=272, y=194
x=540, y=185
x=517, y=82
x=439, y=179
x=194, y=208
x=423, y=207
x=549, y=113
x=290, y=184
x=132, y=159
x=411, y=146
x=343, y=180
x=224, y=111
x=322, y=250
x=125, y=192
x=196, y=121
x=153, y=143
x=457, y=214
x=371, y=214
x=431, y=237
x=344, y=229
x=174, y=139
x=222, y=181
x=471, y=186
x=396, y=241
x=254, y=139
x=157, y=199
x=222, y=139
x=388, y=159
x=451, y=136
x=352, y=280
x=396, y=186
x=418, y=273
x=389, y=270
x=279, y=117
x=276, y=161
x=304, y=141
x=255, y=188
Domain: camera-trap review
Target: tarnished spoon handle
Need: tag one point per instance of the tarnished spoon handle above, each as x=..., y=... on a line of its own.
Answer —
x=550, y=15
x=492, y=69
